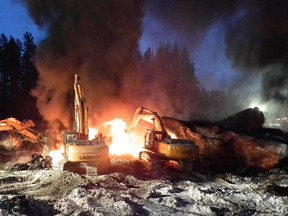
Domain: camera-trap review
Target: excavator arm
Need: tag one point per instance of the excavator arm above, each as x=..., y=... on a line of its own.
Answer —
x=144, y=114
x=81, y=110
x=12, y=124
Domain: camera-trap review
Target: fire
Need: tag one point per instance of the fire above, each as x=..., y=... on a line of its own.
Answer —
x=57, y=156
x=92, y=133
x=122, y=143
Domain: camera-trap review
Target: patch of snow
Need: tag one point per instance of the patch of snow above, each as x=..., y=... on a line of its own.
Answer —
x=57, y=192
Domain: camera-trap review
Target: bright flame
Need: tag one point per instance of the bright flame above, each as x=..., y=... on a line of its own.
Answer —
x=57, y=156
x=122, y=142
x=92, y=133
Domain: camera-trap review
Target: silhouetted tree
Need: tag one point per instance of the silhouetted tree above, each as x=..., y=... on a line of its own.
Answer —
x=29, y=74
x=29, y=77
x=3, y=65
x=13, y=60
x=170, y=81
x=18, y=77
x=3, y=75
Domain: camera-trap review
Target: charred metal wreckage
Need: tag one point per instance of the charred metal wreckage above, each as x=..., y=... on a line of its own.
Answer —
x=37, y=162
x=240, y=140
x=232, y=143
x=18, y=139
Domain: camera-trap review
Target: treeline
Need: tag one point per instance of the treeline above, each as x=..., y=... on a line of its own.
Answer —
x=170, y=82
x=166, y=79
x=18, y=76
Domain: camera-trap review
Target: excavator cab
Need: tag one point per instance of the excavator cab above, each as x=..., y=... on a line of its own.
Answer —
x=149, y=139
x=153, y=135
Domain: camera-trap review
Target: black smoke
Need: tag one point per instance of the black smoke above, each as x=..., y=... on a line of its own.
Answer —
x=256, y=35
x=94, y=38
x=98, y=38
x=257, y=42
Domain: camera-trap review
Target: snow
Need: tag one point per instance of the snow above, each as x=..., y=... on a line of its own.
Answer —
x=57, y=192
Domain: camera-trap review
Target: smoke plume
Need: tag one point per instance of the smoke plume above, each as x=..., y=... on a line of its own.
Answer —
x=256, y=35
x=93, y=38
x=97, y=39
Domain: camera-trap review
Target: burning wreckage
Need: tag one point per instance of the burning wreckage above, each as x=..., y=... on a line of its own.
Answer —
x=197, y=145
x=239, y=141
x=18, y=141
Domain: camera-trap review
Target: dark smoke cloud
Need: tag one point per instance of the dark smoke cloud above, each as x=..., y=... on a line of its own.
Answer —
x=93, y=38
x=97, y=39
x=256, y=35
x=257, y=42
x=191, y=18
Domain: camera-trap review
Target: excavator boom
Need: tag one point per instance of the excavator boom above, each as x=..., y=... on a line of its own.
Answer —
x=80, y=109
x=18, y=139
x=144, y=114
x=12, y=124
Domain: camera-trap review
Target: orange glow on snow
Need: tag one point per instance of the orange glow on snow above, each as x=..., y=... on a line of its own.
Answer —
x=122, y=143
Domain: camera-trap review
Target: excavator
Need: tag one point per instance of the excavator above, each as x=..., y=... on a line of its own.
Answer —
x=19, y=139
x=159, y=148
x=84, y=156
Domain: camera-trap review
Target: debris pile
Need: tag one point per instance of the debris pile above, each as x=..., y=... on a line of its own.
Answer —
x=19, y=140
x=37, y=162
x=239, y=140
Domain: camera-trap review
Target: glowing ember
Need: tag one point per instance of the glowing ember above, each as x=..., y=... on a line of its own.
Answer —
x=57, y=156
x=121, y=143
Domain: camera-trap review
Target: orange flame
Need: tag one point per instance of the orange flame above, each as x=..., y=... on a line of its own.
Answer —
x=122, y=143
x=92, y=133
x=57, y=156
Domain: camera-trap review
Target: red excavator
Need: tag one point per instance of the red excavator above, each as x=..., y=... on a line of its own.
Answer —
x=159, y=147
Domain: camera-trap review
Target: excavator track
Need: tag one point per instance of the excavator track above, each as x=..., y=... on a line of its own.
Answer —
x=150, y=159
x=159, y=163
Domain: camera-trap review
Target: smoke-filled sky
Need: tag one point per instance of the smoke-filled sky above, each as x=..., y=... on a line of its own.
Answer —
x=234, y=44
x=245, y=42
x=243, y=36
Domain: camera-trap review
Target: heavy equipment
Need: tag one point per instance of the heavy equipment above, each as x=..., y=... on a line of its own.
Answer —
x=159, y=148
x=84, y=156
x=239, y=140
x=19, y=139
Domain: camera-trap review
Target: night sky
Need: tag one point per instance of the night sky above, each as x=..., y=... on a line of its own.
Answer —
x=15, y=21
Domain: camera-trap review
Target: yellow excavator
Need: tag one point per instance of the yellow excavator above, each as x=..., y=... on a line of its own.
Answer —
x=84, y=156
x=159, y=147
x=19, y=139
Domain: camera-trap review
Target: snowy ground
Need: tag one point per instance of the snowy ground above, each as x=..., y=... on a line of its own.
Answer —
x=131, y=190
